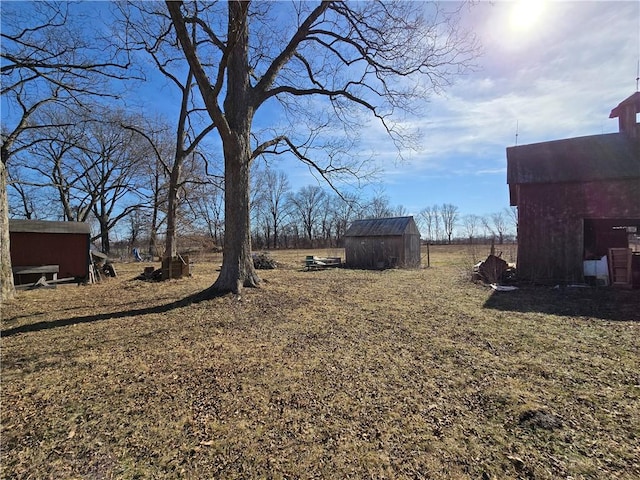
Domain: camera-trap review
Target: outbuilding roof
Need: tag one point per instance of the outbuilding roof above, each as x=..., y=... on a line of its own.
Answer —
x=633, y=100
x=382, y=227
x=47, y=226
x=581, y=159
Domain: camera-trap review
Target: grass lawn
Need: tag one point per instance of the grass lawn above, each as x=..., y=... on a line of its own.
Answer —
x=324, y=374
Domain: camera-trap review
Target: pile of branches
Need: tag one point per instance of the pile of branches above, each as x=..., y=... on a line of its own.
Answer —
x=263, y=261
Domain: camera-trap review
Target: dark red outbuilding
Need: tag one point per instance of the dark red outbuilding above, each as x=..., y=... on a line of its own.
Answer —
x=41, y=242
x=577, y=198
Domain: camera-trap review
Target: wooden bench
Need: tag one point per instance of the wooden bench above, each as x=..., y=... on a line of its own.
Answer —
x=41, y=270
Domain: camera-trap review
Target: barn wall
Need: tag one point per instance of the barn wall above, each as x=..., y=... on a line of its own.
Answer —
x=550, y=224
x=69, y=251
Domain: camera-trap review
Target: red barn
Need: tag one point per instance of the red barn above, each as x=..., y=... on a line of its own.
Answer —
x=577, y=198
x=35, y=243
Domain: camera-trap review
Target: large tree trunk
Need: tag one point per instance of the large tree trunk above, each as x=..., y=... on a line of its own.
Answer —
x=153, y=233
x=7, y=288
x=171, y=249
x=237, y=265
x=104, y=238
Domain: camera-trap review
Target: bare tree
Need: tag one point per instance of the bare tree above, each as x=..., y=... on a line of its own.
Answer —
x=142, y=23
x=326, y=221
x=449, y=217
x=307, y=206
x=399, y=211
x=379, y=206
x=488, y=229
x=429, y=220
x=344, y=209
x=46, y=58
x=24, y=193
x=471, y=224
x=155, y=170
x=274, y=199
x=90, y=161
x=500, y=221
x=110, y=161
x=205, y=202
x=347, y=55
x=50, y=163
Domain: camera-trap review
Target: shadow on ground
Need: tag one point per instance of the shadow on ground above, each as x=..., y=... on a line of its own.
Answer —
x=602, y=303
x=48, y=324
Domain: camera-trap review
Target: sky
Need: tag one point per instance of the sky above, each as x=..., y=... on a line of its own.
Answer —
x=549, y=70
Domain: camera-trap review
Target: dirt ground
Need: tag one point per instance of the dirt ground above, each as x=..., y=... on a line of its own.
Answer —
x=324, y=374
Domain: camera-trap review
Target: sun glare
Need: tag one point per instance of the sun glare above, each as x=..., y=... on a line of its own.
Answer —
x=525, y=14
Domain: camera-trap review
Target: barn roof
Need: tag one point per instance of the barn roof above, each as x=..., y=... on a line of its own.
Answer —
x=581, y=159
x=633, y=100
x=382, y=227
x=47, y=226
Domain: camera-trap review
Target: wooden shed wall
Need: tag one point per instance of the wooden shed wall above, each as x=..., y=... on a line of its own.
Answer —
x=68, y=250
x=382, y=252
x=551, y=224
x=373, y=252
x=412, y=257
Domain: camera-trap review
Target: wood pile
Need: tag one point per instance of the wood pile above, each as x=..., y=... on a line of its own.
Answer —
x=494, y=270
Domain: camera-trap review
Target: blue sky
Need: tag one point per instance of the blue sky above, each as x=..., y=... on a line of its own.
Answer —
x=551, y=69
x=554, y=71
x=548, y=69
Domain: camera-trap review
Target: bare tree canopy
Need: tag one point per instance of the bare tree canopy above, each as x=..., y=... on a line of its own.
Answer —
x=449, y=215
x=356, y=60
x=45, y=58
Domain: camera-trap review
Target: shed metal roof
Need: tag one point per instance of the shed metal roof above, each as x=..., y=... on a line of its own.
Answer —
x=382, y=227
x=47, y=226
x=580, y=159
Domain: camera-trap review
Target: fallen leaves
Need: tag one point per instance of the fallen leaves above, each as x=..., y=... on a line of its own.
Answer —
x=395, y=374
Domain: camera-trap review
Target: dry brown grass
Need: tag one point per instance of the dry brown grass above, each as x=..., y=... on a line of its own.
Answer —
x=327, y=374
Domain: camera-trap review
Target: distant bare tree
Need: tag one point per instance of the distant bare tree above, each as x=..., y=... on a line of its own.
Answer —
x=275, y=195
x=399, y=211
x=344, y=209
x=500, y=221
x=306, y=205
x=379, y=206
x=326, y=221
x=429, y=221
x=487, y=227
x=449, y=217
x=512, y=216
x=472, y=224
x=205, y=202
